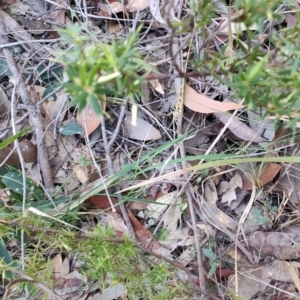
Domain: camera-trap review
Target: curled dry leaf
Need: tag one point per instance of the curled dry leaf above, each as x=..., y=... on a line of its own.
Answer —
x=135, y=5
x=200, y=103
x=240, y=129
x=143, y=131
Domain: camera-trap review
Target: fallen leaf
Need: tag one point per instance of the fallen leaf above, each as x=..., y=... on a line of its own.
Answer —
x=81, y=173
x=275, y=244
x=249, y=284
x=143, y=131
x=290, y=182
x=260, y=177
x=234, y=183
x=155, y=210
x=278, y=270
x=263, y=126
x=135, y=5
x=172, y=217
x=210, y=191
x=142, y=234
x=155, y=11
x=28, y=150
x=4, y=103
x=291, y=20
x=88, y=120
x=56, y=265
x=157, y=86
x=200, y=103
x=114, y=7
x=53, y=108
x=112, y=292
x=240, y=129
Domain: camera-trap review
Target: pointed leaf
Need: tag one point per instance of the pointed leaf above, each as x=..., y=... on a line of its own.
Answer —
x=240, y=129
x=200, y=103
x=88, y=119
x=142, y=131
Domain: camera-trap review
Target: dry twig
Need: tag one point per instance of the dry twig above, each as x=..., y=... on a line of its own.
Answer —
x=33, y=110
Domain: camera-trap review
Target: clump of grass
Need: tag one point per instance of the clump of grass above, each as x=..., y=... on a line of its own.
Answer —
x=104, y=259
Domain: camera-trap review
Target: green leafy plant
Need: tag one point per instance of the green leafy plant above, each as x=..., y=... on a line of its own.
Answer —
x=266, y=74
x=95, y=69
x=104, y=259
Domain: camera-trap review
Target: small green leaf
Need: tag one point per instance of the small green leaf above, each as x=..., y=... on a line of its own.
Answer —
x=255, y=70
x=4, y=69
x=209, y=254
x=49, y=89
x=71, y=129
x=14, y=181
x=5, y=255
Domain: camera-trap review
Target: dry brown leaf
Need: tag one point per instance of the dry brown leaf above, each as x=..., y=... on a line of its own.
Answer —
x=260, y=178
x=142, y=234
x=113, y=7
x=113, y=220
x=81, y=173
x=247, y=286
x=29, y=153
x=155, y=210
x=172, y=217
x=278, y=270
x=157, y=86
x=275, y=244
x=216, y=213
x=290, y=20
x=56, y=265
x=115, y=28
x=290, y=183
x=135, y=5
x=88, y=120
x=240, y=129
x=223, y=187
x=155, y=11
x=36, y=92
x=4, y=103
x=53, y=108
x=200, y=103
x=234, y=183
x=143, y=131
x=210, y=191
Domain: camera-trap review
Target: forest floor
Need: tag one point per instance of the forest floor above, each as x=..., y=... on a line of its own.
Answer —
x=185, y=188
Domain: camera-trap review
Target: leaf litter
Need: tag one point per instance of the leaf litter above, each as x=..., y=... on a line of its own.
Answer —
x=159, y=214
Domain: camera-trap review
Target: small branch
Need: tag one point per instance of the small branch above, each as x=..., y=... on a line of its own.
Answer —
x=34, y=112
